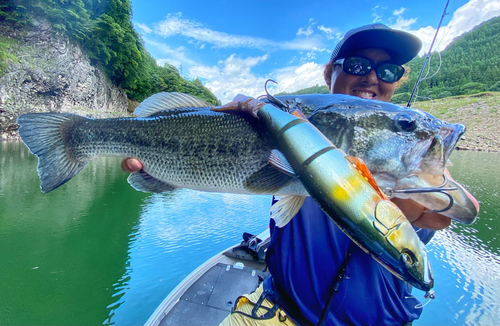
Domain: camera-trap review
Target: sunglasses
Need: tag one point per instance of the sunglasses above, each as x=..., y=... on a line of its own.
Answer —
x=361, y=66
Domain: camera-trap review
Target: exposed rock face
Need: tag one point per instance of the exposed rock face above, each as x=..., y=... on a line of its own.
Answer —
x=53, y=75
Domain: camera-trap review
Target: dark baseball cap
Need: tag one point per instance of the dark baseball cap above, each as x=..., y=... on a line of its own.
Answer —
x=402, y=46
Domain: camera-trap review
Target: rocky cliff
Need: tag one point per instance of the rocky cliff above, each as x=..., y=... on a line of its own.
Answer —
x=52, y=74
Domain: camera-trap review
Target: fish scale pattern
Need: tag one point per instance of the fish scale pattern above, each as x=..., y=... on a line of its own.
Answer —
x=205, y=151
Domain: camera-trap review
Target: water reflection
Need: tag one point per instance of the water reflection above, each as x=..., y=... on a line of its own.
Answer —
x=62, y=251
x=177, y=232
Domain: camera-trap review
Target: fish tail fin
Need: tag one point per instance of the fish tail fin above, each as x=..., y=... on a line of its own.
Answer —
x=45, y=135
x=286, y=208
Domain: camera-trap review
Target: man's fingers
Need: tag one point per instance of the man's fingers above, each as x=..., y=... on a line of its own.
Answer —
x=131, y=164
x=243, y=104
x=234, y=105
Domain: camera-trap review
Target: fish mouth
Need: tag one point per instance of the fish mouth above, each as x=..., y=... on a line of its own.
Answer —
x=451, y=134
x=440, y=148
x=430, y=176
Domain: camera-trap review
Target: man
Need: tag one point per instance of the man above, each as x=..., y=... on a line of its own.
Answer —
x=305, y=256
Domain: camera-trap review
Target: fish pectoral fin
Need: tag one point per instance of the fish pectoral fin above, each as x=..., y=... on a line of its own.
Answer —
x=285, y=209
x=142, y=181
x=167, y=101
x=279, y=161
x=267, y=180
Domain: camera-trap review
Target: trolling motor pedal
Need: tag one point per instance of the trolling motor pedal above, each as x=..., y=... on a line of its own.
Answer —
x=251, y=248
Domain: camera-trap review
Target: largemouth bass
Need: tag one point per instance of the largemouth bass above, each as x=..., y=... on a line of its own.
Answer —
x=183, y=144
x=345, y=190
x=403, y=148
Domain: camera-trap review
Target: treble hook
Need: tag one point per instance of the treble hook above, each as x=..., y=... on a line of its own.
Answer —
x=429, y=295
x=390, y=193
x=274, y=100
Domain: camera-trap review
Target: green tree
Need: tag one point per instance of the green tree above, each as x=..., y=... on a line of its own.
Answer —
x=495, y=87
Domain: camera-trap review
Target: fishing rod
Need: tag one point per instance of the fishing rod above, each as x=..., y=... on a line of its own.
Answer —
x=427, y=56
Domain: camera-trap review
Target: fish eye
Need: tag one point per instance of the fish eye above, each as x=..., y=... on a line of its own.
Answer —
x=405, y=122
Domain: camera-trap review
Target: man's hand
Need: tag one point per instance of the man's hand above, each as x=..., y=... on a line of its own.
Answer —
x=414, y=212
x=241, y=103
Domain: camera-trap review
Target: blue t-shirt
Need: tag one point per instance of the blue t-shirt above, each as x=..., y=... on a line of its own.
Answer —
x=304, y=257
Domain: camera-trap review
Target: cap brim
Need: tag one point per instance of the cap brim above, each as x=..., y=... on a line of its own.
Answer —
x=402, y=46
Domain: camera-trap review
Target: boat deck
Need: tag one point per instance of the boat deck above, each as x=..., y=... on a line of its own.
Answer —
x=211, y=298
x=206, y=296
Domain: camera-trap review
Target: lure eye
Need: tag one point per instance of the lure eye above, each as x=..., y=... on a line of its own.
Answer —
x=408, y=258
x=405, y=122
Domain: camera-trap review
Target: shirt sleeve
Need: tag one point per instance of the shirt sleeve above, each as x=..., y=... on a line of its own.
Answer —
x=425, y=235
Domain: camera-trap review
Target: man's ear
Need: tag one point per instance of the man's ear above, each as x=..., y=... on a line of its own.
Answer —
x=327, y=75
x=329, y=83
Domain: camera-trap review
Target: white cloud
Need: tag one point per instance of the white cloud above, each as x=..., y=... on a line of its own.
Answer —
x=205, y=72
x=234, y=76
x=174, y=25
x=176, y=55
x=376, y=16
x=401, y=23
x=404, y=24
x=308, y=31
x=399, y=11
x=173, y=62
x=311, y=55
x=331, y=33
x=291, y=79
x=463, y=20
x=144, y=28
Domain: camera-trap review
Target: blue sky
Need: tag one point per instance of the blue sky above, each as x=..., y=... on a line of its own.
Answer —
x=235, y=46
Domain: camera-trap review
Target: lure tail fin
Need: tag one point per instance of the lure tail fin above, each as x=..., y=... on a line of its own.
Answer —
x=45, y=134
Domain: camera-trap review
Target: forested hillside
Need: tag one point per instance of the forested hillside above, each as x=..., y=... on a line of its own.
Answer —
x=105, y=32
x=469, y=65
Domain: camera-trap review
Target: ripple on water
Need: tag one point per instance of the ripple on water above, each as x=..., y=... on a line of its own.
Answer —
x=468, y=279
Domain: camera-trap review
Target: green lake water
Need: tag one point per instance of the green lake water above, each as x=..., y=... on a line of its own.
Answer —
x=95, y=251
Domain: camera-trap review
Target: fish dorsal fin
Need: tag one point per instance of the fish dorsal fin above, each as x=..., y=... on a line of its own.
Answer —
x=167, y=101
x=360, y=165
x=285, y=209
x=278, y=160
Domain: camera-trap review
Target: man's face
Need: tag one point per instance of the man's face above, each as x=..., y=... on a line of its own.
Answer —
x=367, y=86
